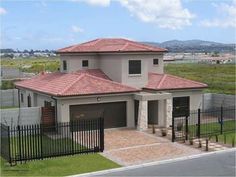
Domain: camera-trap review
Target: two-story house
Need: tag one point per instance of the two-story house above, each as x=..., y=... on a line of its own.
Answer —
x=118, y=79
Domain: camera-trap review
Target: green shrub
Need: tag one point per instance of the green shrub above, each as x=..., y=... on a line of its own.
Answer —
x=7, y=85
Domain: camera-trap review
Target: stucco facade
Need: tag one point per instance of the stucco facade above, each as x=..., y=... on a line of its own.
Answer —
x=116, y=66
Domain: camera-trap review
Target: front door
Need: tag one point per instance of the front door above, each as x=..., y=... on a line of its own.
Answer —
x=181, y=106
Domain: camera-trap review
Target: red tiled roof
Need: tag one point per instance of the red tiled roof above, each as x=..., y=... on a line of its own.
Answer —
x=111, y=45
x=72, y=84
x=170, y=82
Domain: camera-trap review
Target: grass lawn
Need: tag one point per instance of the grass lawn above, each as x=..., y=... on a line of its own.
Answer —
x=34, y=65
x=30, y=146
x=60, y=166
x=220, y=78
x=226, y=138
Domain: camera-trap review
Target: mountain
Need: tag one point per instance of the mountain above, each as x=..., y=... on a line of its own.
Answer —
x=194, y=46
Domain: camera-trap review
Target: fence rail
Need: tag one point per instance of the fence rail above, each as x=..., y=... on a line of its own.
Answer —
x=204, y=123
x=38, y=141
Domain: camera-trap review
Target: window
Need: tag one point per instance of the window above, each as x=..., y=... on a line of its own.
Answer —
x=155, y=61
x=134, y=66
x=22, y=97
x=47, y=104
x=85, y=63
x=29, y=101
x=64, y=65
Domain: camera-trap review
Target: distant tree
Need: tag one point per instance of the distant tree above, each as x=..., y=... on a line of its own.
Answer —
x=31, y=52
x=215, y=54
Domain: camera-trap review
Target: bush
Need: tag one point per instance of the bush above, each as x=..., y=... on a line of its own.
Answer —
x=7, y=85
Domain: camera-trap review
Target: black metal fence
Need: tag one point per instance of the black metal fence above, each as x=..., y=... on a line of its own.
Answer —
x=204, y=123
x=28, y=142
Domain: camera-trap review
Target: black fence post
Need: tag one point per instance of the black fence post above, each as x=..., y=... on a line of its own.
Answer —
x=101, y=134
x=9, y=143
x=72, y=135
x=18, y=128
x=41, y=139
x=173, y=128
x=199, y=123
x=221, y=120
x=186, y=128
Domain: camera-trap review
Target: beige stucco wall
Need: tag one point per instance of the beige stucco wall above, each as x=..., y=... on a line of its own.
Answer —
x=74, y=62
x=63, y=106
x=116, y=66
x=156, y=68
x=111, y=65
x=146, y=66
x=37, y=99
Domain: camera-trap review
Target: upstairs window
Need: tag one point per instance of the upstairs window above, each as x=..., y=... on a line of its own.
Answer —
x=155, y=61
x=134, y=66
x=85, y=63
x=64, y=65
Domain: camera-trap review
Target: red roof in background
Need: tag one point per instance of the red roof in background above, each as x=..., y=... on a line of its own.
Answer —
x=72, y=84
x=170, y=82
x=111, y=45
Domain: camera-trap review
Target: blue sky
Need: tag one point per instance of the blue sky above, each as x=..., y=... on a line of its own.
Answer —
x=52, y=24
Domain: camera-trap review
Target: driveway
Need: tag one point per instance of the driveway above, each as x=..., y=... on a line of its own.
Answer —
x=131, y=147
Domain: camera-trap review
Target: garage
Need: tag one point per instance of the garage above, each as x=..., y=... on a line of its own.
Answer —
x=114, y=113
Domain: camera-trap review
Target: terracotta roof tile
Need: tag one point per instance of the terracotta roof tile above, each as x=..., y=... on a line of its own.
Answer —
x=70, y=84
x=111, y=45
x=170, y=82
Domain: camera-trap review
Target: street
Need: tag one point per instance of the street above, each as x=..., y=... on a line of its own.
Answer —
x=219, y=164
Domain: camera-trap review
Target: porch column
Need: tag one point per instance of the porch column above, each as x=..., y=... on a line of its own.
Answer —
x=168, y=112
x=161, y=113
x=143, y=115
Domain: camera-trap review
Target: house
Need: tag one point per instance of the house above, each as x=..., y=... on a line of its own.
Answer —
x=118, y=79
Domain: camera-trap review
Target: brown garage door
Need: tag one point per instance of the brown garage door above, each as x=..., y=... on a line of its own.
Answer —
x=114, y=114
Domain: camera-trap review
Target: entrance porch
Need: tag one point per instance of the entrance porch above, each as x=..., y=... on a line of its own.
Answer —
x=153, y=108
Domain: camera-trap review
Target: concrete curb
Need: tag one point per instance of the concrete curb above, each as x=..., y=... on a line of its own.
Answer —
x=152, y=163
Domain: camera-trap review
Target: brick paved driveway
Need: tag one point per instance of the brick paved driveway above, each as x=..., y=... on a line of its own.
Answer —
x=130, y=147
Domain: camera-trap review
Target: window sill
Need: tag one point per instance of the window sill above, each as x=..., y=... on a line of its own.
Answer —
x=135, y=75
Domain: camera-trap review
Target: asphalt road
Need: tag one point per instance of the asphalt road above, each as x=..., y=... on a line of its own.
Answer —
x=219, y=164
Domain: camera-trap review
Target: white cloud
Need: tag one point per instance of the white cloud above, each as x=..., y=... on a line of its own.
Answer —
x=2, y=11
x=103, y=3
x=227, y=13
x=77, y=29
x=165, y=14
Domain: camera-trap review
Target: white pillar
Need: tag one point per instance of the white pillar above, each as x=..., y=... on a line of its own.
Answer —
x=161, y=113
x=130, y=114
x=143, y=115
x=169, y=106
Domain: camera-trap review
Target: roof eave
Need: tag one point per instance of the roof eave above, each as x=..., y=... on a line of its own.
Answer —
x=182, y=88
x=97, y=52
x=72, y=95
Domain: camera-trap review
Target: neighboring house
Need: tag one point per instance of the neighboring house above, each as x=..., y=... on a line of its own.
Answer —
x=118, y=79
